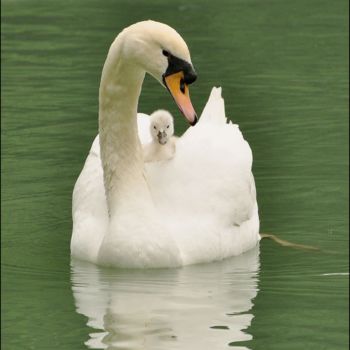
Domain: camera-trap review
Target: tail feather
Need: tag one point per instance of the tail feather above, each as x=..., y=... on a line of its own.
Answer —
x=214, y=110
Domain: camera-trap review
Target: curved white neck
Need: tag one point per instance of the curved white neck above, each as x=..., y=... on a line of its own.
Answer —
x=121, y=153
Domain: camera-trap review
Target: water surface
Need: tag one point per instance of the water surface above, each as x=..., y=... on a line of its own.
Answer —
x=283, y=67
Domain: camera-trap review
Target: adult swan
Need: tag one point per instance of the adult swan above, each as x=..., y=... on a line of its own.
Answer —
x=199, y=206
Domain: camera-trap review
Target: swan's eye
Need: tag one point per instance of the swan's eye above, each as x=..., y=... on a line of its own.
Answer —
x=167, y=126
x=182, y=86
x=166, y=53
x=154, y=127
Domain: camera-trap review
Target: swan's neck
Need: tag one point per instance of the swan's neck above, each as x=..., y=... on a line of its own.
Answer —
x=121, y=153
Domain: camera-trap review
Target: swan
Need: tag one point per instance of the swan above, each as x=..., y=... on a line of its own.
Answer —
x=163, y=144
x=200, y=206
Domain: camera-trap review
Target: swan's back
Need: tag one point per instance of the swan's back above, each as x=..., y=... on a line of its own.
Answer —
x=206, y=194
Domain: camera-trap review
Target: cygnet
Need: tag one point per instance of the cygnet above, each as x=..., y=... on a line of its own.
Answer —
x=162, y=146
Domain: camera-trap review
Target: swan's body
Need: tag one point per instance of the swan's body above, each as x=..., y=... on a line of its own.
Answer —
x=163, y=144
x=199, y=206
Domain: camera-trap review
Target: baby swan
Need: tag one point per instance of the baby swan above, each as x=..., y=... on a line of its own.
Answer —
x=162, y=146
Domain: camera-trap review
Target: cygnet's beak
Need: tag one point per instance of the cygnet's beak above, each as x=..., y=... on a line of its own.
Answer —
x=178, y=88
x=162, y=137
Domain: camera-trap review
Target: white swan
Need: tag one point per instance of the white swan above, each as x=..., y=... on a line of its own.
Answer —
x=163, y=144
x=200, y=206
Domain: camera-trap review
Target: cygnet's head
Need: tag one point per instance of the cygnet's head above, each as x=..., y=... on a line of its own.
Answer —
x=159, y=50
x=162, y=126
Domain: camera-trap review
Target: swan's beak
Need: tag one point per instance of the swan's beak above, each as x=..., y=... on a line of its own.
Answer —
x=176, y=85
x=162, y=137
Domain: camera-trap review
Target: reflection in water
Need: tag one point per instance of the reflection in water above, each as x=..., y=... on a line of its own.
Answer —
x=194, y=307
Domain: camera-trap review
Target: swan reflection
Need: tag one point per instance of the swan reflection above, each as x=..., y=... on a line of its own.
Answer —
x=194, y=307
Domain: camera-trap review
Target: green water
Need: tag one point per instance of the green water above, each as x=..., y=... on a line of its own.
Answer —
x=283, y=66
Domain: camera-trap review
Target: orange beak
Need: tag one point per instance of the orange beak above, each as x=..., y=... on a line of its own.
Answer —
x=179, y=90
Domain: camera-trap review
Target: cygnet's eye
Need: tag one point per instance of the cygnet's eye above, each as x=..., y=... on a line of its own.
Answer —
x=167, y=126
x=154, y=127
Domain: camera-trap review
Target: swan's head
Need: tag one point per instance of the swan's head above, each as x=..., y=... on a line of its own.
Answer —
x=162, y=126
x=162, y=52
